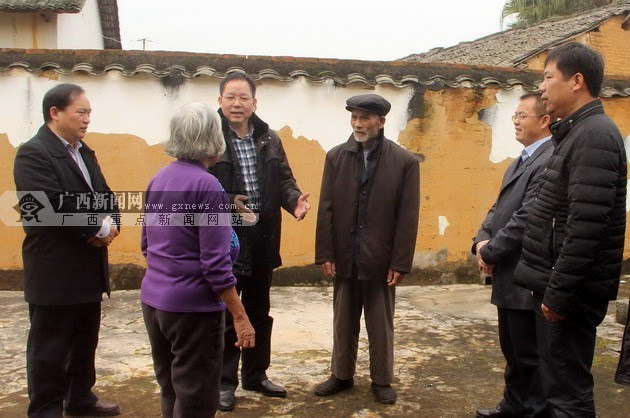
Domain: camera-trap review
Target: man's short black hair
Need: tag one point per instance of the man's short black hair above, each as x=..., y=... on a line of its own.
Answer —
x=539, y=106
x=573, y=57
x=237, y=75
x=60, y=97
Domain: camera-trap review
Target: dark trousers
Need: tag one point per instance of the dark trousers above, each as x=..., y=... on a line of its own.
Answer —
x=186, y=349
x=565, y=350
x=523, y=394
x=254, y=293
x=60, y=352
x=376, y=299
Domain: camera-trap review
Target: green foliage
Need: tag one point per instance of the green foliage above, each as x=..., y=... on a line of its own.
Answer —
x=533, y=11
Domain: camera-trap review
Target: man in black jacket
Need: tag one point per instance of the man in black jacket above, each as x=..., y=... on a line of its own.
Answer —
x=65, y=267
x=498, y=249
x=574, y=238
x=256, y=175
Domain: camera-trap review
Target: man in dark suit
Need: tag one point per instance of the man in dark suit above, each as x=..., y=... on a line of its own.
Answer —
x=65, y=267
x=497, y=247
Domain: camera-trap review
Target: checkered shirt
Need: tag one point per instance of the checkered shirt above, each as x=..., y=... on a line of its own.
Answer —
x=246, y=154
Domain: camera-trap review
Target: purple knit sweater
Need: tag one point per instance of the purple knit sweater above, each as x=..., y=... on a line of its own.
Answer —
x=187, y=266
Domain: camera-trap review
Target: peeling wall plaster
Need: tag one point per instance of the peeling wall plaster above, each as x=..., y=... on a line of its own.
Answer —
x=142, y=106
x=442, y=224
x=499, y=117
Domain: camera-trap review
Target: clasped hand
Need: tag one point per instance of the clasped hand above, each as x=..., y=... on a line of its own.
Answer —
x=483, y=266
x=106, y=240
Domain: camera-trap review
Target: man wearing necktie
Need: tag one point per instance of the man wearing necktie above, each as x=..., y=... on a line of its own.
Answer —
x=65, y=267
x=497, y=247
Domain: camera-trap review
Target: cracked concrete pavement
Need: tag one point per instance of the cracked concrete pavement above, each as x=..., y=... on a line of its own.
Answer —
x=447, y=358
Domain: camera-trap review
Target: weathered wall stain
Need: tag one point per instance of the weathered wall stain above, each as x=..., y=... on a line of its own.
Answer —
x=459, y=182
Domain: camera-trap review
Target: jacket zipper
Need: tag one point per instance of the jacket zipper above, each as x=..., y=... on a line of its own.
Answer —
x=553, y=240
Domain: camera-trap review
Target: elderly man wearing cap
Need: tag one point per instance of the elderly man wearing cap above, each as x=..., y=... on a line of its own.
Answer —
x=366, y=236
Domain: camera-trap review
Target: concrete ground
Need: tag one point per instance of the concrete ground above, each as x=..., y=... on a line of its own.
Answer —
x=448, y=361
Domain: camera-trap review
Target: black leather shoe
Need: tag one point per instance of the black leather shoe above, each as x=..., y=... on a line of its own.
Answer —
x=495, y=412
x=267, y=388
x=333, y=385
x=226, y=400
x=99, y=409
x=384, y=394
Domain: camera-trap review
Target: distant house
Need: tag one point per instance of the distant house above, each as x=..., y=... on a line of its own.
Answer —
x=59, y=24
x=605, y=29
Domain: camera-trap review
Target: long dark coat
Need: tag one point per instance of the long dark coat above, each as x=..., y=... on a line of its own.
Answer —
x=504, y=226
x=60, y=267
x=390, y=224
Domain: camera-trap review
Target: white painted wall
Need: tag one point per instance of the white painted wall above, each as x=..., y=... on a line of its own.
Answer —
x=81, y=30
x=499, y=117
x=141, y=106
x=318, y=112
x=27, y=30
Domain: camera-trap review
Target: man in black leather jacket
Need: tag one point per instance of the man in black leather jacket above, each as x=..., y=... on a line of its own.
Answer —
x=255, y=173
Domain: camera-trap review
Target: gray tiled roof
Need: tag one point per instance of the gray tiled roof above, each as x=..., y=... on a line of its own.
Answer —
x=514, y=46
x=173, y=68
x=52, y=6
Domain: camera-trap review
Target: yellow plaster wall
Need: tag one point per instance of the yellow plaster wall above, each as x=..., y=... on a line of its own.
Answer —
x=306, y=158
x=610, y=39
x=12, y=236
x=127, y=162
x=458, y=181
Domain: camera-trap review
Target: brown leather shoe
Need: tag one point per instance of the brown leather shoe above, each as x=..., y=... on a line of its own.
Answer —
x=333, y=385
x=99, y=409
x=384, y=394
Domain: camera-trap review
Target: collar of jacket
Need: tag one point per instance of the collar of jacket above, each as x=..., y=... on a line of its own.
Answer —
x=562, y=128
x=352, y=145
x=56, y=147
x=260, y=127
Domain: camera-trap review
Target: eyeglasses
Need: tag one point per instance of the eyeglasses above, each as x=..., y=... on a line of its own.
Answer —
x=520, y=116
x=242, y=99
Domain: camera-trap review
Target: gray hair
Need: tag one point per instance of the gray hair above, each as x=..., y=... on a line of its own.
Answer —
x=195, y=133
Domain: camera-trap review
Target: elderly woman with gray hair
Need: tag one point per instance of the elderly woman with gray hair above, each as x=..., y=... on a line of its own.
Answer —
x=189, y=280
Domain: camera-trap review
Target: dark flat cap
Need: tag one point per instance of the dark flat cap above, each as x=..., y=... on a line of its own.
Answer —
x=370, y=102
